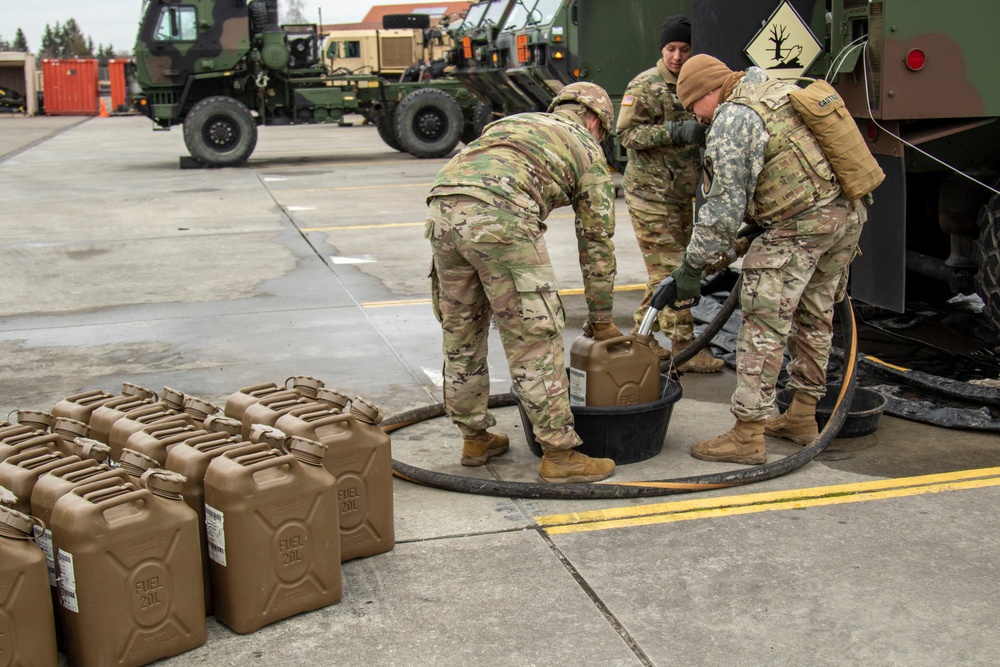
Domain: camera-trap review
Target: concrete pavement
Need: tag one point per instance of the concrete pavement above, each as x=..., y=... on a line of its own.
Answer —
x=120, y=267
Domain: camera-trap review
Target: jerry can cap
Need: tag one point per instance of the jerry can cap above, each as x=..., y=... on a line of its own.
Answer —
x=305, y=384
x=173, y=398
x=306, y=450
x=267, y=435
x=366, y=412
x=130, y=457
x=42, y=420
x=218, y=423
x=129, y=389
x=333, y=397
x=72, y=428
x=163, y=483
x=16, y=524
x=89, y=448
x=198, y=407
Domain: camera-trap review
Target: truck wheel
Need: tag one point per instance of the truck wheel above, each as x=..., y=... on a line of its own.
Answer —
x=428, y=123
x=482, y=116
x=988, y=259
x=220, y=132
x=383, y=123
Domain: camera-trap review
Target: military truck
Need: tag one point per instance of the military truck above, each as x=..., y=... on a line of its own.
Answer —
x=918, y=78
x=520, y=53
x=222, y=68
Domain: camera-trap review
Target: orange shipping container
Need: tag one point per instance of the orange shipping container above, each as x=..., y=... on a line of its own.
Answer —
x=70, y=86
x=119, y=92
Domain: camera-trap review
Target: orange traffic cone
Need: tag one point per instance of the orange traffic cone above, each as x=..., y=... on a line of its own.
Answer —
x=104, y=110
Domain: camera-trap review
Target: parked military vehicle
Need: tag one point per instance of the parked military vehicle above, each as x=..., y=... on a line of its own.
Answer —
x=223, y=68
x=920, y=83
x=918, y=80
x=515, y=55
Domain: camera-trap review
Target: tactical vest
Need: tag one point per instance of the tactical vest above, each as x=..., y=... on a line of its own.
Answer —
x=796, y=174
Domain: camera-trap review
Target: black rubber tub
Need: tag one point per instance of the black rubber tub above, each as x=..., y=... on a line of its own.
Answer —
x=625, y=435
x=862, y=417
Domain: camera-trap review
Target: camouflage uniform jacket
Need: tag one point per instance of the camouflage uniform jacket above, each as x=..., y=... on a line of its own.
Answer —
x=657, y=170
x=746, y=160
x=529, y=164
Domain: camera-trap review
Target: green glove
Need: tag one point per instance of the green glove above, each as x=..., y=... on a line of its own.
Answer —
x=688, y=281
x=686, y=132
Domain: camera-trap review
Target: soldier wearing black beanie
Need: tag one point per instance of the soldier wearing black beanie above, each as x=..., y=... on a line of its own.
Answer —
x=675, y=29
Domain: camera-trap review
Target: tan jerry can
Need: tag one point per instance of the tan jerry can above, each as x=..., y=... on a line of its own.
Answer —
x=360, y=457
x=27, y=627
x=273, y=534
x=617, y=372
x=130, y=583
x=191, y=458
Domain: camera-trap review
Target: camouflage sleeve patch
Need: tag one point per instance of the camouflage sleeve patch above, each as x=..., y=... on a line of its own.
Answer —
x=733, y=159
x=628, y=101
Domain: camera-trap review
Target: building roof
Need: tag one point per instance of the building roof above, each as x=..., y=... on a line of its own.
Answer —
x=373, y=19
x=436, y=10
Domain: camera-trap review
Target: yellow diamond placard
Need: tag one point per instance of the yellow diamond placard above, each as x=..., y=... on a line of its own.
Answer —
x=785, y=47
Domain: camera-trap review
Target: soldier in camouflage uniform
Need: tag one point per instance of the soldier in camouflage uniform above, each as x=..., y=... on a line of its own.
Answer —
x=663, y=142
x=486, y=220
x=794, y=272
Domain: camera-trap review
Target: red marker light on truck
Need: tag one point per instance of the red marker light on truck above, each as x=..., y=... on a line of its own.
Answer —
x=915, y=59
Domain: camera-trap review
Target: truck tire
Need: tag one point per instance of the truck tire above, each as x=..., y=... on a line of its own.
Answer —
x=220, y=132
x=482, y=116
x=988, y=259
x=383, y=123
x=428, y=123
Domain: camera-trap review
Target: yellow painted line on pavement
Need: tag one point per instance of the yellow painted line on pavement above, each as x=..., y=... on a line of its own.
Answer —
x=411, y=302
x=644, y=515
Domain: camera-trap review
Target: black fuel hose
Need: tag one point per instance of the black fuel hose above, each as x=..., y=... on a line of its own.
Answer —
x=645, y=489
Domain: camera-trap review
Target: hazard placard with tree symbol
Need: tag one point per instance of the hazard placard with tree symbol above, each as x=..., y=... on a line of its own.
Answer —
x=785, y=47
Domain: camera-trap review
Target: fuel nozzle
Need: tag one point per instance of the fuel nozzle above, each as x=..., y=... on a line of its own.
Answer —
x=665, y=295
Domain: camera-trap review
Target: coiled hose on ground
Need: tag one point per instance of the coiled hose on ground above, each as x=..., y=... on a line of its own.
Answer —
x=652, y=488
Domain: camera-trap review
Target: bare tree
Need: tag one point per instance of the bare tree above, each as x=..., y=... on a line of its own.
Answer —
x=778, y=38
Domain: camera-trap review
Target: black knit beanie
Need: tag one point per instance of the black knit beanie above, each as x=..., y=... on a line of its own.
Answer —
x=675, y=29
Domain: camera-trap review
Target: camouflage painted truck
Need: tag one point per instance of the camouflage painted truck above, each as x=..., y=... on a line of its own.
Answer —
x=224, y=67
x=517, y=54
x=920, y=80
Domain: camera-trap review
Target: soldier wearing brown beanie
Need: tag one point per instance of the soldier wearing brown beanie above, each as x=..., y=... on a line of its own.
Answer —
x=663, y=143
x=763, y=164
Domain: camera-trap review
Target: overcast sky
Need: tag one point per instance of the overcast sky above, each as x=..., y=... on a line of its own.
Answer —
x=116, y=22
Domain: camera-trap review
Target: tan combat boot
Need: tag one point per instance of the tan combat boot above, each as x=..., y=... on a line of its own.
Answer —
x=798, y=423
x=563, y=466
x=743, y=444
x=481, y=447
x=662, y=352
x=703, y=362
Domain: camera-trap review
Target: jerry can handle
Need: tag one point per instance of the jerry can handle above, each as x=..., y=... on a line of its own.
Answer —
x=333, y=419
x=129, y=497
x=255, y=463
x=112, y=496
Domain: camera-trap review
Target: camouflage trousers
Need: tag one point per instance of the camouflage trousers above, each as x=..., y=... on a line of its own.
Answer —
x=793, y=276
x=489, y=262
x=663, y=232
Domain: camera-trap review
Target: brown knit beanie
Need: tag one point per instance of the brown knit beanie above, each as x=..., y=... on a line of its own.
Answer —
x=700, y=75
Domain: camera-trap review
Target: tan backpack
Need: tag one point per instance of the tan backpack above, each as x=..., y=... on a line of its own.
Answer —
x=838, y=135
